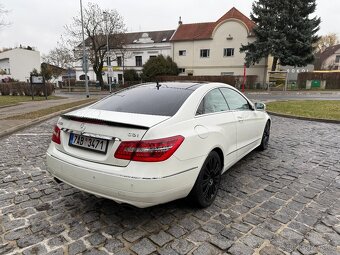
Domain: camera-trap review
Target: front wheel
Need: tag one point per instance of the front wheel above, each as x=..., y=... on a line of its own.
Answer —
x=208, y=181
x=265, y=137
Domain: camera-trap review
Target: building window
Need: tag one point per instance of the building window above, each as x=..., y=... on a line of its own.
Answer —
x=205, y=53
x=153, y=56
x=182, y=53
x=181, y=70
x=139, y=61
x=337, y=59
x=119, y=61
x=228, y=52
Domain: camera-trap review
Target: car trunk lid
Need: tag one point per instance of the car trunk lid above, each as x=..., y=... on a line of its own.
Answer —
x=95, y=135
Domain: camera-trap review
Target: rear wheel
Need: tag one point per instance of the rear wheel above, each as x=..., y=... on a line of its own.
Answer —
x=208, y=181
x=265, y=137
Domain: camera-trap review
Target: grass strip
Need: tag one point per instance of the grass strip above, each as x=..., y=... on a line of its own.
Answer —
x=317, y=109
x=47, y=111
x=13, y=100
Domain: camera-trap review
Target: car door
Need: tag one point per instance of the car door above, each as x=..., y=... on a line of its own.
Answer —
x=214, y=119
x=249, y=121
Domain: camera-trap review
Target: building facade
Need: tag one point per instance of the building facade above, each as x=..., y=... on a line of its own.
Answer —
x=213, y=48
x=329, y=59
x=19, y=63
x=138, y=49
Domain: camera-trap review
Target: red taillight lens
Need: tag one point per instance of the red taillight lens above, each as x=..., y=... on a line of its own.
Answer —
x=149, y=150
x=56, y=135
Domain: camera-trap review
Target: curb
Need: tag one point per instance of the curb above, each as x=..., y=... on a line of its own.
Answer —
x=38, y=120
x=303, y=118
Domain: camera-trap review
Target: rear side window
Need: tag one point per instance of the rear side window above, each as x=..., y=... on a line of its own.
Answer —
x=212, y=102
x=149, y=100
x=235, y=100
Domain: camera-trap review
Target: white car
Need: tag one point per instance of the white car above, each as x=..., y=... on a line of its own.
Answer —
x=157, y=142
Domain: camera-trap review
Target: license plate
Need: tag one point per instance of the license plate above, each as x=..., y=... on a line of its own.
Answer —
x=89, y=143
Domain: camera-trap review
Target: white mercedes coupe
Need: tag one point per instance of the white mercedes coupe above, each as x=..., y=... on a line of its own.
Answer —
x=157, y=142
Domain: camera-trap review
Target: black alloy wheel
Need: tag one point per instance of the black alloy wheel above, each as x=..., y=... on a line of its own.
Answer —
x=265, y=137
x=208, y=181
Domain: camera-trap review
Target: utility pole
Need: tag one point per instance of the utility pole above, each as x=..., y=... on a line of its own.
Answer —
x=109, y=68
x=85, y=61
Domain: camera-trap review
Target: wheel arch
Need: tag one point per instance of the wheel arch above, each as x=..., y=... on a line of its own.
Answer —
x=220, y=154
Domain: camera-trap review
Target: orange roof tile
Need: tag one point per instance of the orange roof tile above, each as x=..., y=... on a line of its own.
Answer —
x=203, y=31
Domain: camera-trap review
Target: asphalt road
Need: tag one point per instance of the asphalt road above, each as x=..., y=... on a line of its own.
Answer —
x=285, y=200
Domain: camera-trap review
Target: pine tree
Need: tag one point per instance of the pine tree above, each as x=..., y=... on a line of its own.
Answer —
x=284, y=30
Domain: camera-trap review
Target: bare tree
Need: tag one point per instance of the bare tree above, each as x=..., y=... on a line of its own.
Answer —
x=326, y=41
x=122, y=51
x=97, y=26
x=61, y=56
x=3, y=15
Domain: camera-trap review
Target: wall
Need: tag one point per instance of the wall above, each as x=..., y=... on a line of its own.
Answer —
x=22, y=62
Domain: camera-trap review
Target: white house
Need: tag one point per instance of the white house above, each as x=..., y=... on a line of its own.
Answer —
x=138, y=49
x=213, y=48
x=18, y=63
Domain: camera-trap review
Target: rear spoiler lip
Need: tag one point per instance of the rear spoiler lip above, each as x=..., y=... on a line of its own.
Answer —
x=102, y=122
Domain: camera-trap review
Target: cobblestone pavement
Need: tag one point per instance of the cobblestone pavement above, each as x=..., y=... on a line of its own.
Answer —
x=285, y=200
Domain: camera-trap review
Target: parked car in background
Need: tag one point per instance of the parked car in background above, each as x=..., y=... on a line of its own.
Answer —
x=157, y=142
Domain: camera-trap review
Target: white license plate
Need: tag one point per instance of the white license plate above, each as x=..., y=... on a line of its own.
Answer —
x=89, y=143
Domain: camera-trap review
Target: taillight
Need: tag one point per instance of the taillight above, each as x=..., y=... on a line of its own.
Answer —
x=56, y=135
x=149, y=150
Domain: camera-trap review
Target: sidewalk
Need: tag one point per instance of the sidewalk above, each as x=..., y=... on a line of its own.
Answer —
x=10, y=126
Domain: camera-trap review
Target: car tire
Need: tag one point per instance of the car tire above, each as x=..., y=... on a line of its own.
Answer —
x=208, y=181
x=265, y=137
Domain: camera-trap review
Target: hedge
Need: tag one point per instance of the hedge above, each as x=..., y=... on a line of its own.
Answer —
x=24, y=89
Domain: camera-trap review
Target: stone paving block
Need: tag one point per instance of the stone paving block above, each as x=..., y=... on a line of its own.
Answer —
x=221, y=242
x=315, y=238
x=182, y=246
x=143, y=247
x=133, y=235
x=271, y=250
x=206, y=249
x=35, y=250
x=240, y=249
x=76, y=247
x=307, y=249
x=252, y=241
x=177, y=231
x=198, y=236
x=113, y=245
x=96, y=239
x=161, y=238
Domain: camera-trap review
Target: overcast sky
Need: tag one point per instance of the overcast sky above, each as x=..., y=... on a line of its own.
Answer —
x=40, y=23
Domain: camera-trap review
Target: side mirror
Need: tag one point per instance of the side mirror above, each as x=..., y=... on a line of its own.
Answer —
x=260, y=106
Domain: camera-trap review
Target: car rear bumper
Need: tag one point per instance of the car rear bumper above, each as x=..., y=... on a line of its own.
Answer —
x=138, y=191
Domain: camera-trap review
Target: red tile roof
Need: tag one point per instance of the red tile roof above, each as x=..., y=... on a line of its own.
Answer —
x=203, y=31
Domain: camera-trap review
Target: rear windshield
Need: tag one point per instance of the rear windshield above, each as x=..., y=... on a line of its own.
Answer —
x=164, y=101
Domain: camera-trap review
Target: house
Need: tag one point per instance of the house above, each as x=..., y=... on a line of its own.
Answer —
x=139, y=47
x=329, y=59
x=213, y=48
x=18, y=63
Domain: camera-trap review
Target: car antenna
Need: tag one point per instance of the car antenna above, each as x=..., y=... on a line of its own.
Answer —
x=158, y=85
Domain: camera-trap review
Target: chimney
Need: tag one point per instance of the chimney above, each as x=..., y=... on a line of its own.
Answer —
x=180, y=21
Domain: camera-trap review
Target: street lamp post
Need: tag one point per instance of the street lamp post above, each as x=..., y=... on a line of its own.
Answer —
x=85, y=61
x=108, y=55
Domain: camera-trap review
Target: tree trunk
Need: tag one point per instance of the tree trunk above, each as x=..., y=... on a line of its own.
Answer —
x=99, y=77
x=274, y=63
